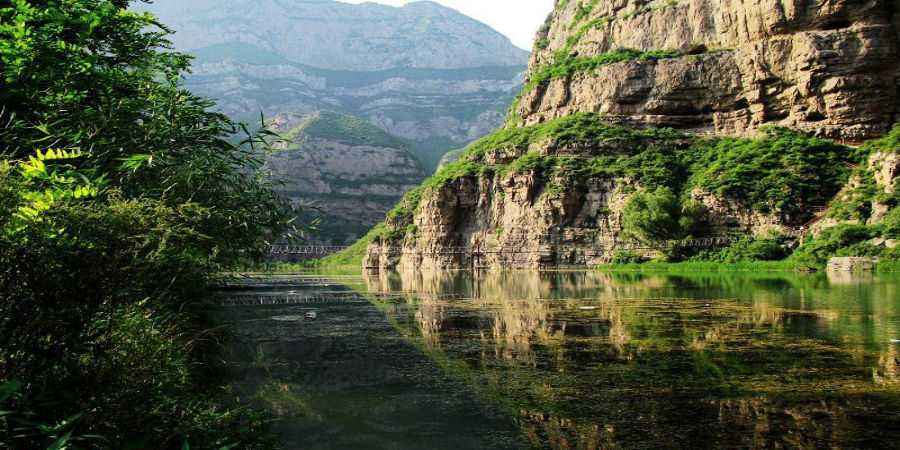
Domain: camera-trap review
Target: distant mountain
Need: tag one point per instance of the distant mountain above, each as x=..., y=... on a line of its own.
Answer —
x=341, y=36
x=372, y=96
x=423, y=72
x=353, y=170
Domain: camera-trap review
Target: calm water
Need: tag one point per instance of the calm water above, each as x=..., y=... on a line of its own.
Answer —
x=574, y=360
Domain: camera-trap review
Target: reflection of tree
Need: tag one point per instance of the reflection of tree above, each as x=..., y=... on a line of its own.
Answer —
x=430, y=316
x=888, y=370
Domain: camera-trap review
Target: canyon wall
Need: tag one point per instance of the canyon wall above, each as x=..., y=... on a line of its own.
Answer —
x=674, y=98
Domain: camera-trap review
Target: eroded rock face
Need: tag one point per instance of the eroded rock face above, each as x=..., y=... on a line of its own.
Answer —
x=830, y=68
x=348, y=185
x=704, y=67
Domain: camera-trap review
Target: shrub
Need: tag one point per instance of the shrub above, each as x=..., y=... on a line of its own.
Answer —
x=626, y=257
x=747, y=249
x=107, y=241
x=653, y=216
x=842, y=240
x=782, y=172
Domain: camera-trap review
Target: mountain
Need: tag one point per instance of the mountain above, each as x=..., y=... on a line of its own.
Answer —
x=423, y=78
x=423, y=72
x=344, y=164
x=645, y=128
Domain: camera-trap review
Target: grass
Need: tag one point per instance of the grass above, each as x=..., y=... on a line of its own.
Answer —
x=703, y=266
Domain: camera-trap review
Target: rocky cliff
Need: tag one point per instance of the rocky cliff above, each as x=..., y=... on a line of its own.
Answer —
x=422, y=72
x=646, y=122
x=342, y=170
x=829, y=67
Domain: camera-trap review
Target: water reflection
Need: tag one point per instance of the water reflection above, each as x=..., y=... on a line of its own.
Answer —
x=594, y=360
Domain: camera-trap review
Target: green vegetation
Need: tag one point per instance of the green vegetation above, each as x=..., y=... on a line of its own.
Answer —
x=569, y=65
x=857, y=199
x=749, y=249
x=656, y=216
x=121, y=198
x=784, y=171
x=350, y=130
x=700, y=266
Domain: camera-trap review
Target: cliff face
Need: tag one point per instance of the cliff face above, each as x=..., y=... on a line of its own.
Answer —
x=653, y=112
x=422, y=72
x=346, y=172
x=829, y=67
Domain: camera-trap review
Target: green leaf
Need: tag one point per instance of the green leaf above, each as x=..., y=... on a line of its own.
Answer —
x=61, y=443
x=8, y=389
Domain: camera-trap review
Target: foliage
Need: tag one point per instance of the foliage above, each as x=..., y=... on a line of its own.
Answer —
x=108, y=239
x=749, y=248
x=842, y=240
x=782, y=172
x=655, y=216
x=626, y=257
x=351, y=130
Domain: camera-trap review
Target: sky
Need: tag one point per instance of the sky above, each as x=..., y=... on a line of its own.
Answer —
x=517, y=19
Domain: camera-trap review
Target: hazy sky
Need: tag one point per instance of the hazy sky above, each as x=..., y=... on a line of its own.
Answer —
x=518, y=19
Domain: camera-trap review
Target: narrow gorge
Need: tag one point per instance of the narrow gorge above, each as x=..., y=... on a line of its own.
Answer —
x=660, y=121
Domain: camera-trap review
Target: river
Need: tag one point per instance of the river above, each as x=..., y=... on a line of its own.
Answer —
x=571, y=360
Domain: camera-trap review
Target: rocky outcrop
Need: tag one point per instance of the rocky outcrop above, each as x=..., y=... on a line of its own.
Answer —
x=830, y=68
x=341, y=173
x=593, y=128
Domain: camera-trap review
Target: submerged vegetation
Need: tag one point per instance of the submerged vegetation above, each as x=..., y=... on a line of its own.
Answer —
x=121, y=198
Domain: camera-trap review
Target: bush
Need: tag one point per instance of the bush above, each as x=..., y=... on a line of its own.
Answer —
x=749, y=249
x=842, y=240
x=626, y=257
x=783, y=172
x=108, y=240
x=653, y=216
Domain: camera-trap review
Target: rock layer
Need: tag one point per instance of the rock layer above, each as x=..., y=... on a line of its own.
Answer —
x=831, y=67
x=346, y=183
x=705, y=67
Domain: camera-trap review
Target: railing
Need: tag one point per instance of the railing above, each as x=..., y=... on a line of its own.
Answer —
x=555, y=242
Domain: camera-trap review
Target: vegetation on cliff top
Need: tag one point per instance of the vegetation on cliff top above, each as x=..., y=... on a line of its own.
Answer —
x=347, y=130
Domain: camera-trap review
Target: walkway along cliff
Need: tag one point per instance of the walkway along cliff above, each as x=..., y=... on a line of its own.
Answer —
x=702, y=118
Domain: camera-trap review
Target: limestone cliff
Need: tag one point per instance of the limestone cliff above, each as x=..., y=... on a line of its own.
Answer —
x=828, y=67
x=645, y=111
x=343, y=170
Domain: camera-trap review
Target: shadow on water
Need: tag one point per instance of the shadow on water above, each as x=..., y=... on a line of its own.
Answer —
x=581, y=360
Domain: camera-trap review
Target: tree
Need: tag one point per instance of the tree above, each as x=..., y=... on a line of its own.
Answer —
x=121, y=196
x=653, y=216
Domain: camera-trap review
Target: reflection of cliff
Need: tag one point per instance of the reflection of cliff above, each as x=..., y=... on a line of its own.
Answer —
x=589, y=360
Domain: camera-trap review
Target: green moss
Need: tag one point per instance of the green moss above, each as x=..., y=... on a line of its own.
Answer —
x=888, y=144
